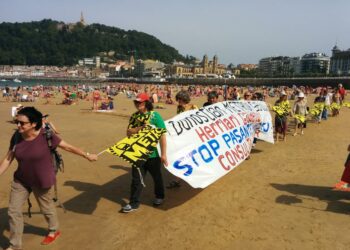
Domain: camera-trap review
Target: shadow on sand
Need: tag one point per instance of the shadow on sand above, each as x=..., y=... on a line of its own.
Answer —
x=337, y=201
x=118, y=191
x=28, y=228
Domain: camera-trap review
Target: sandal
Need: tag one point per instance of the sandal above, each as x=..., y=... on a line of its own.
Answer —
x=50, y=238
x=174, y=184
x=339, y=184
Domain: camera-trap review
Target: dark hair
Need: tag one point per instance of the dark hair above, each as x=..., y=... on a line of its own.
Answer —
x=183, y=95
x=33, y=115
x=213, y=94
x=148, y=105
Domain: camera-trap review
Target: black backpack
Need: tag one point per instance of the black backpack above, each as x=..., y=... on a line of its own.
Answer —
x=57, y=159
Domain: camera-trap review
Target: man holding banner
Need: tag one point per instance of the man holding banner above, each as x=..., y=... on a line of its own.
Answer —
x=139, y=121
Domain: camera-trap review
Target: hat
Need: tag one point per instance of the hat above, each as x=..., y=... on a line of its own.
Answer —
x=301, y=95
x=283, y=92
x=142, y=97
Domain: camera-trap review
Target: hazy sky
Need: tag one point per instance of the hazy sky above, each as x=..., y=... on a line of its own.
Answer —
x=238, y=31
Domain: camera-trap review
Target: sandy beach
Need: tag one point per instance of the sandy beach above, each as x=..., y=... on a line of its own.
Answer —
x=281, y=198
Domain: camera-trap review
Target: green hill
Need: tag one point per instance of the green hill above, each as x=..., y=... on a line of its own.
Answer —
x=49, y=42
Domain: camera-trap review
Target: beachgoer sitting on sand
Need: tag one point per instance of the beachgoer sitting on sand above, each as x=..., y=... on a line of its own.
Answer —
x=107, y=104
x=67, y=100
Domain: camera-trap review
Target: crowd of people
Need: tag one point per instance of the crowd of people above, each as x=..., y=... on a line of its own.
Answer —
x=327, y=102
x=29, y=147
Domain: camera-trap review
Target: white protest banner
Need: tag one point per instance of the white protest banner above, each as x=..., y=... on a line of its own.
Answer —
x=204, y=145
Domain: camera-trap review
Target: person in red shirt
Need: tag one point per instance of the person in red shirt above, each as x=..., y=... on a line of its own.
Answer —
x=342, y=92
x=35, y=173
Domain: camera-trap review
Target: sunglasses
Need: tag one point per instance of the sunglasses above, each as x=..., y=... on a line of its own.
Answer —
x=137, y=102
x=22, y=123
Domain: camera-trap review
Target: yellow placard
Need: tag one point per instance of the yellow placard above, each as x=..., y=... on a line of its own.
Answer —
x=300, y=118
x=137, y=148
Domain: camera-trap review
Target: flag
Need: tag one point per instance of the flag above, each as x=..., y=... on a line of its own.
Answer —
x=300, y=118
x=346, y=104
x=137, y=148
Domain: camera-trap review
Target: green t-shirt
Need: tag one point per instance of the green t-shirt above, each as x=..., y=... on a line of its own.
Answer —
x=137, y=119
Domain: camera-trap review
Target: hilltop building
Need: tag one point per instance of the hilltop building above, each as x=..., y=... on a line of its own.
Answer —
x=82, y=20
x=70, y=26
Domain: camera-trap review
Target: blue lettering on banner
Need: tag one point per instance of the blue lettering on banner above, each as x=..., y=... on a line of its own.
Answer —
x=265, y=126
x=207, y=151
x=205, y=157
x=237, y=135
x=203, y=152
x=192, y=156
x=214, y=145
x=186, y=166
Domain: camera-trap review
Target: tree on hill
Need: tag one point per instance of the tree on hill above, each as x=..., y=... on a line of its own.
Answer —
x=49, y=42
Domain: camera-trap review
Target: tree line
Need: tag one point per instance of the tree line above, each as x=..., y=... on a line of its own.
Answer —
x=50, y=42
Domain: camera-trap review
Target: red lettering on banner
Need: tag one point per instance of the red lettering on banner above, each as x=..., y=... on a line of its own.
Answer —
x=212, y=125
x=222, y=164
x=230, y=158
x=231, y=119
x=218, y=122
x=228, y=124
x=202, y=134
x=209, y=131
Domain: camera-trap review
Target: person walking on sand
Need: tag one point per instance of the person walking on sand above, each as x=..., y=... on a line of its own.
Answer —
x=96, y=96
x=35, y=173
x=143, y=116
x=300, y=109
x=281, y=118
x=344, y=184
x=212, y=98
x=184, y=104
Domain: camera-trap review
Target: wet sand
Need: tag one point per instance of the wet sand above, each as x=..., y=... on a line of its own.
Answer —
x=281, y=198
